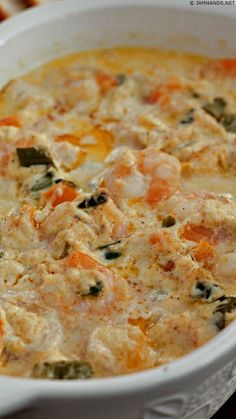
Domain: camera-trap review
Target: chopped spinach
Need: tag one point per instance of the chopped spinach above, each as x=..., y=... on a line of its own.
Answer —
x=43, y=182
x=168, y=221
x=215, y=108
x=63, y=370
x=195, y=95
x=95, y=290
x=226, y=305
x=206, y=290
x=94, y=201
x=120, y=78
x=105, y=246
x=65, y=251
x=219, y=320
x=32, y=156
x=188, y=118
x=229, y=122
x=109, y=255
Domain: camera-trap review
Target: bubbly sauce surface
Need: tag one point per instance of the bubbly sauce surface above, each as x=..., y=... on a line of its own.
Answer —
x=117, y=212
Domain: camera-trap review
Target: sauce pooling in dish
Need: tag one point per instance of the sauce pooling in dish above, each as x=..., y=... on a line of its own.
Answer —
x=118, y=212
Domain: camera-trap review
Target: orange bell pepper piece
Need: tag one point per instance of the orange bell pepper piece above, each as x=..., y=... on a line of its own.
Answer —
x=60, y=193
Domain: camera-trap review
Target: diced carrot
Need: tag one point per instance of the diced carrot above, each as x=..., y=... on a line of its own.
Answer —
x=158, y=96
x=153, y=97
x=162, y=94
x=10, y=121
x=137, y=355
x=154, y=239
x=220, y=68
x=201, y=233
x=105, y=81
x=157, y=191
x=174, y=83
x=82, y=260
x=197, y=233
x=140, y=322
x=204, y=253
x=60, y=193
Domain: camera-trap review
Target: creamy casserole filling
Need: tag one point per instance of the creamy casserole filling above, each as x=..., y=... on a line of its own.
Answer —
x=118, y=212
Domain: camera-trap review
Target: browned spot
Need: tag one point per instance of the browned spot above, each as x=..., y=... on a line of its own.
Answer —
x=168, y=266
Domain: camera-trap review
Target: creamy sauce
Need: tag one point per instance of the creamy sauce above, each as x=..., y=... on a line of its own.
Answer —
x=214, y=183
x=117, y=212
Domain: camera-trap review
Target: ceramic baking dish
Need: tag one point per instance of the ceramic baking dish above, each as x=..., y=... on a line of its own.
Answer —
x=197, y=385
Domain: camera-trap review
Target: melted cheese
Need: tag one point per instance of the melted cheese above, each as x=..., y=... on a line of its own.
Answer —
x=121, y=251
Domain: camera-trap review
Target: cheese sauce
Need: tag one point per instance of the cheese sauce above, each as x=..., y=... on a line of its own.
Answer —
x=118, y=212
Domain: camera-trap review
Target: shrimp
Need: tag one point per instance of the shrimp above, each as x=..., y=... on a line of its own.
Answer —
x=219, y=68
x=197, y=207
x=120, y=350
x=95, y=224
x=66, y=220
x=84, y=286
x=182, y=206
x=148, y=174
x=164, y=242
x=164, y=173
x=111, y=224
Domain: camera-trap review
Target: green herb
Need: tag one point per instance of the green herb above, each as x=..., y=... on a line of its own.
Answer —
x=168, y=221
x=229, y=122
x=43, y=182
x=65, y=251
x=94, y=201
x=206, y=290
x=195, y=95
x=219, y=320
x=105, y=246
x=63, y=370
x=95, y=289
x=188, y=118
x=120, y=78
x=215, y=108
x=112, y=255
x=32, y=156
x=226, y=305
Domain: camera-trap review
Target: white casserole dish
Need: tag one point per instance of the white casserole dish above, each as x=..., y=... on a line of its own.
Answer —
x=198, y=384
